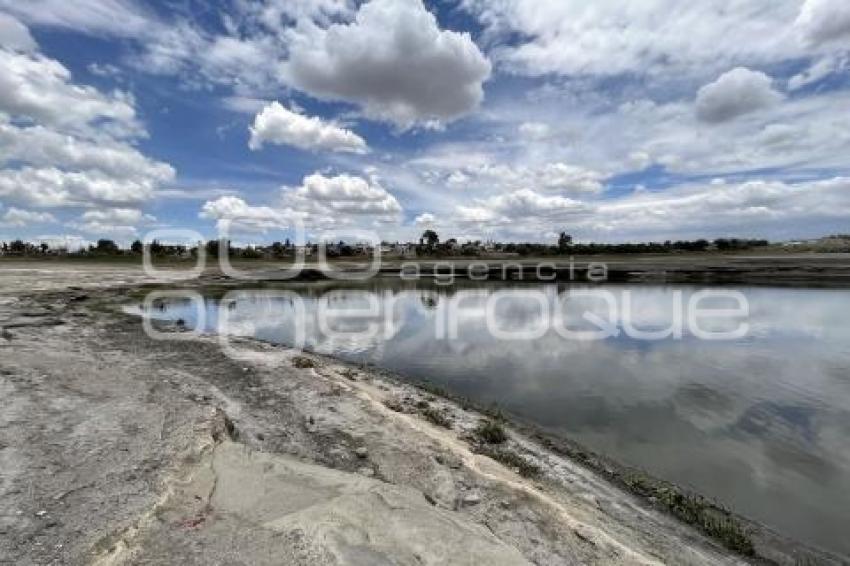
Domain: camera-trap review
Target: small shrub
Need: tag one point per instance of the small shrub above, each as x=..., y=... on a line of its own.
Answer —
x=512, y=460
x=436, y=417
x=491, y=432
x=301, y=362
x=714, y=522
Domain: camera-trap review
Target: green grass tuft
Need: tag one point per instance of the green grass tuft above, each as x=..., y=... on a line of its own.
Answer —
x=491, y=432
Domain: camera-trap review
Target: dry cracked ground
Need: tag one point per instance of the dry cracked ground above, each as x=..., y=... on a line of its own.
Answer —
x=118, y=449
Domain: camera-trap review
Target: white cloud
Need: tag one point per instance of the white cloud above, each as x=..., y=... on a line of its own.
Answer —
x=68, y=145
x=109, y=17
x=278, y=125
x=425, y=220
x=38, y=145
x=240, y=215
x=819, y=70
x=104, y=70
x=751, y=208
x=535, y=130
x=245, y=104
x=524, y=203
x=20, y=218
x=823, y=21
x=393, y=60
x=111, y=230
x=275, y=13
x=14, y=35
x=610, y=37
x=326, y=197
x=321, y=202
x=802, y=132
x=117, y=216
x=117, y=222
x=550, y=176
x=36, y=87
x=52, y=187
x=734, y=93
x=477, y=215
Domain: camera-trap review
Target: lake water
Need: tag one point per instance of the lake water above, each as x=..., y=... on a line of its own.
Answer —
x=760, y=422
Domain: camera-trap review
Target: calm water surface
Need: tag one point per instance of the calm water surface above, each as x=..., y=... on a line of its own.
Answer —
x=760, y=423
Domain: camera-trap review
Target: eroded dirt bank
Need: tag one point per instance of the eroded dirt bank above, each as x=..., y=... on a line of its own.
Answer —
x=117, y=449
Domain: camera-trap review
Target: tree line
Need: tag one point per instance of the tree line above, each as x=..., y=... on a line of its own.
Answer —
x=429, y=245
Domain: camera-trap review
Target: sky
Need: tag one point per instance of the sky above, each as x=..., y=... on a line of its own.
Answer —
x=612, y=120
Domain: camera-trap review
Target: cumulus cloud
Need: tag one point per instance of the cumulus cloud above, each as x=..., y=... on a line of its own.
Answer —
x=343, y=194
x=63, y=144
x=19, y=218
x=52, y=187
x=278, y=125
x=39, y=88
x=736, y=92
x=823, y=21
x=394, y=61
x=38, y=145
x=116, y=222
x=321, y=202
x=235, y=212
x=521, y=204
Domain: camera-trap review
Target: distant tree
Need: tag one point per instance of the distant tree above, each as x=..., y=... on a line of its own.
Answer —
x=431, y=238
x=105, y=246
x=137, y=247
x=251, y=253
x=278, y=250
x=564, y=241
x=44, y=247
x=213, y=247
x=156, y=248
x=17, y=247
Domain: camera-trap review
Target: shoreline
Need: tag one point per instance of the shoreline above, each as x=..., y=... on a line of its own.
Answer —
x=809, y=269
x=626, y=497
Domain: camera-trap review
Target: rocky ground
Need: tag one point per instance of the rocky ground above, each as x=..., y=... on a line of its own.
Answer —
x=119, y=449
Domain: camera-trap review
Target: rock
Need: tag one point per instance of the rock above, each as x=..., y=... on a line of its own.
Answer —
x=471, y=498
x=361, y=452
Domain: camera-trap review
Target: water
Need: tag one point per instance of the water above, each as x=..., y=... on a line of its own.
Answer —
x=760, y=423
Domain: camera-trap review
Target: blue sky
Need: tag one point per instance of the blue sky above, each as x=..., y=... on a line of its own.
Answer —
x=509, y=120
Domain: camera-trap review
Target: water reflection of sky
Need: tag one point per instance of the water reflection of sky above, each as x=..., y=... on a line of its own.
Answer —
x=761, y=423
